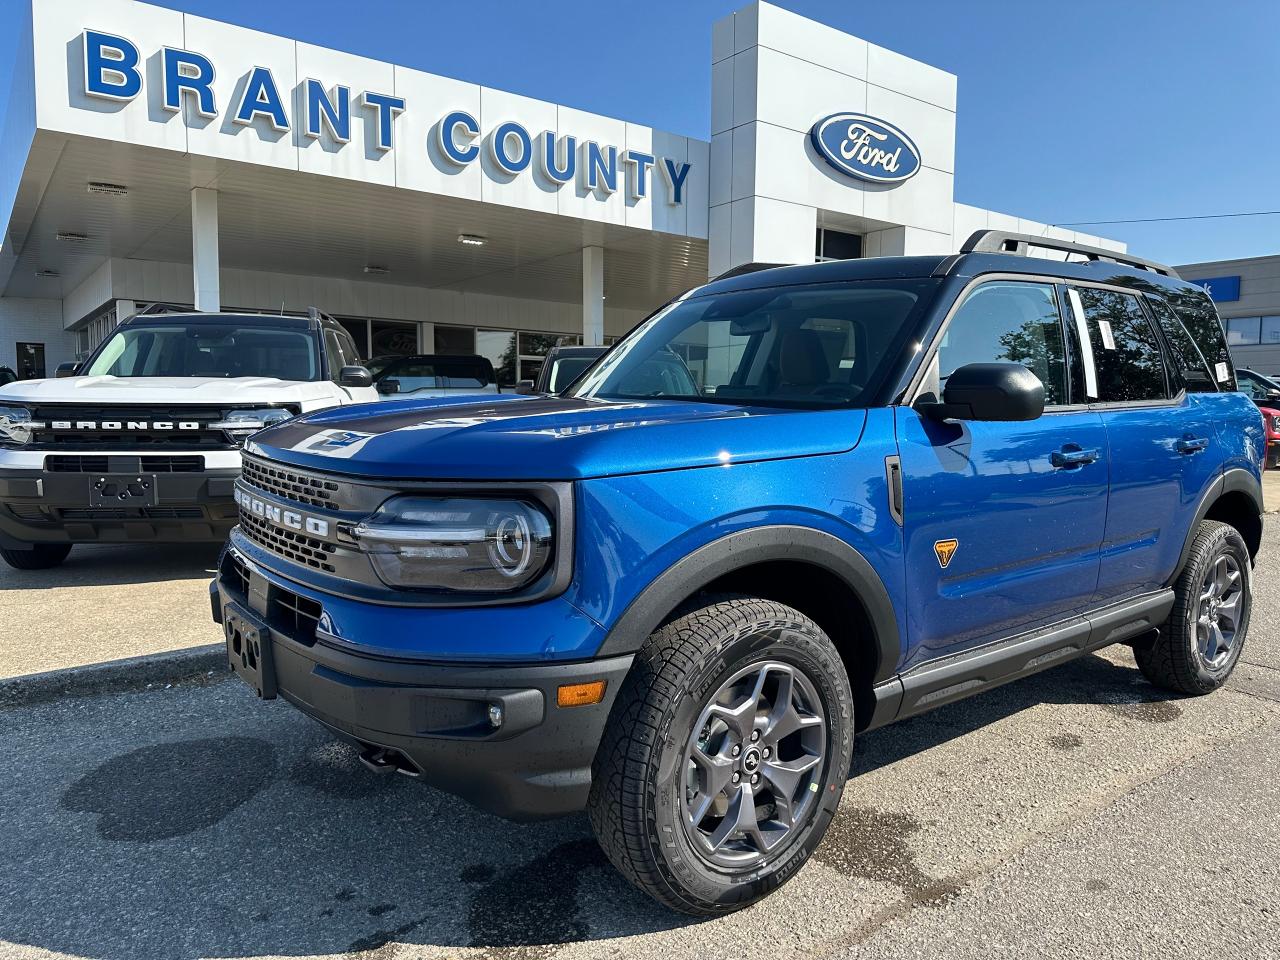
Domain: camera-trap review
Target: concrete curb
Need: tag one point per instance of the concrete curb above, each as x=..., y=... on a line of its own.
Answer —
x=197, y=665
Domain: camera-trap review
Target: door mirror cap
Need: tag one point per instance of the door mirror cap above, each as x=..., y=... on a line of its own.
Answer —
x=525, y=387
x=388, y=386
x=355, y=376
x=992, y=392
x=66, y=369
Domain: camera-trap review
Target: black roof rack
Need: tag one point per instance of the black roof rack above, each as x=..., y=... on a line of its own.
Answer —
x=1001, y=241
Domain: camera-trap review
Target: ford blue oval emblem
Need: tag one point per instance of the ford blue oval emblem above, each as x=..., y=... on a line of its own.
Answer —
x=866, y=148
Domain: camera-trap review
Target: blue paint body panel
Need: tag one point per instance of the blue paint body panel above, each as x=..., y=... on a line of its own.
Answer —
x=655, y=480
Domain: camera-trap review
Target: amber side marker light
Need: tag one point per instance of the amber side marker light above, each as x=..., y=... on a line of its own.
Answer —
x=580, y=694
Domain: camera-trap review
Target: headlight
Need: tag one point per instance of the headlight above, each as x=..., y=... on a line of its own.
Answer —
x=242, y=423
x=458, y=545
x=1275, y=424
x=16, y=425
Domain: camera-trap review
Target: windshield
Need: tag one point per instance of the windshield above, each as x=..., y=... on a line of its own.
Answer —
x=208, y=350
x=565, y=370
x=438, y=373
x=816, y=346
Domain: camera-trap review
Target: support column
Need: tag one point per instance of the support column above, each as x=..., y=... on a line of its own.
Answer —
x=592, y=296
x=204, y=249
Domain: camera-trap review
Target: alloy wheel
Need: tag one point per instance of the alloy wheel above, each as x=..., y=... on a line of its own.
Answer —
x=754, y=764
x=1220, y=609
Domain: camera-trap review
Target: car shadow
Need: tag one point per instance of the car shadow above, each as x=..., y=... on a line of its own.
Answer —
x=1092, y=679
x=243, y=830
x=102, y=565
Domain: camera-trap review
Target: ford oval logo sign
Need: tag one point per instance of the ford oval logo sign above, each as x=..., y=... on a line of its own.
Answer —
x=866, y=148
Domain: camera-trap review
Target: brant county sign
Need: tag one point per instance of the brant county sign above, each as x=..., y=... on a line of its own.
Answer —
x=866, y=148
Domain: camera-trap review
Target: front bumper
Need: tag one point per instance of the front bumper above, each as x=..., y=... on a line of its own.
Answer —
x=39, y=505
x=435, y=715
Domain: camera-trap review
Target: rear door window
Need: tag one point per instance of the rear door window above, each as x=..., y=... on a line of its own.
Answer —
x=1126, y=354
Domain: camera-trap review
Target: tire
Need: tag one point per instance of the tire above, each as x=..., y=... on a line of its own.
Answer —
x=38, y=556
x=1189, y=656
x=645, y=778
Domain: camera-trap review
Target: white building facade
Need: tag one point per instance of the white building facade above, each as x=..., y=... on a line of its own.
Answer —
x=155, y=156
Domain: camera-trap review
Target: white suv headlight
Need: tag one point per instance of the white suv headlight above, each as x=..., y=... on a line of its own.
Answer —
x=243, y=423
x=16, y=425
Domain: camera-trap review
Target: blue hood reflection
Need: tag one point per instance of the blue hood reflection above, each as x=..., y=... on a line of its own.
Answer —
x=549, y=438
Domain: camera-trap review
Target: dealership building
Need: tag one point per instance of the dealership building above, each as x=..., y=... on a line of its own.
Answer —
x=151, y=156
x=1247, y=295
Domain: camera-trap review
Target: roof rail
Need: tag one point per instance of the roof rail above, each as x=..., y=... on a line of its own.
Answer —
x=316, y=314
x=1001, y=241
x=152, y=309
x=745, y=268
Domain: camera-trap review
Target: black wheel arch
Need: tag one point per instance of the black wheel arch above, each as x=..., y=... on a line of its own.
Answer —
x=1234, y=498
x=759, y=547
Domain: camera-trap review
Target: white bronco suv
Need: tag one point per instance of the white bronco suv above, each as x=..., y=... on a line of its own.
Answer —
x=141, y=441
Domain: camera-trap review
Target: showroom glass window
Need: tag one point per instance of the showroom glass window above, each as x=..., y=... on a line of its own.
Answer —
x=1126, y=353
x=1243, y=331
x=1009, y=321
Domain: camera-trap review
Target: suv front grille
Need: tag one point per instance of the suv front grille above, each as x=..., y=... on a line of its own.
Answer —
x=290, y=484
x=79, y=427
x=298, y=547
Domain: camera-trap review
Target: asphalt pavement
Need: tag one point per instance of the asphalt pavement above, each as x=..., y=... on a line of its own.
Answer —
x=1077, y=813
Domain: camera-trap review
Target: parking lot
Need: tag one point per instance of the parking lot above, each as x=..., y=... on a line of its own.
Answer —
x=1078, y=813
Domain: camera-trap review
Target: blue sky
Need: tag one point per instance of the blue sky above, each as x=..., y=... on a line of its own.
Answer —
x=1067, y=112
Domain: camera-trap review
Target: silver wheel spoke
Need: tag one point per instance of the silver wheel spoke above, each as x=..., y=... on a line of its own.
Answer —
x=784, y=775
x=740, y=819
x=1230, y=609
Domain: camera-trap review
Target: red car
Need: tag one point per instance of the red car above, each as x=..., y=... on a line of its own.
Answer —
x=1271, y=418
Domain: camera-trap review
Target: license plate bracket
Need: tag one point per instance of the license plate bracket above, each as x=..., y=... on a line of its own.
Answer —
x=249, y=650
x=122, y=490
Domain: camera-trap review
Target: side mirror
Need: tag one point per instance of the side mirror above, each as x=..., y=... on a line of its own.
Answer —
x=388, y=387
x=66, y=369
x=989, y=392
x=354, y=376
x=525, y=387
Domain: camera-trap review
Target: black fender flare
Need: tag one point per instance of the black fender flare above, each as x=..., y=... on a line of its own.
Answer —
x=1235, y=480
x=757, y=545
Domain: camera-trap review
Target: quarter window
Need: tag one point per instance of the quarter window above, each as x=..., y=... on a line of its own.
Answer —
x=1192, y=366
x=1126, y=353
x=1009, y=321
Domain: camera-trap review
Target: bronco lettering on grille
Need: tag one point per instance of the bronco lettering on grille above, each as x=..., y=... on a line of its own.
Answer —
x=282, y=517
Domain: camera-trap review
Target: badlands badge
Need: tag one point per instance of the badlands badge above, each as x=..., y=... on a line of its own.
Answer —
x=944, y=550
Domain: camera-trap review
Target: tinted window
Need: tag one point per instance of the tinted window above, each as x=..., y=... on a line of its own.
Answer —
x=1200, y=317
x=1126, y=353
x=817, y=346
x=1193, y=369
x=1015, y=322
x=208, y=350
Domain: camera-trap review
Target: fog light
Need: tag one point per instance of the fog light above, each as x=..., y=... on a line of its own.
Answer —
x=580, y=694
x=495, y=715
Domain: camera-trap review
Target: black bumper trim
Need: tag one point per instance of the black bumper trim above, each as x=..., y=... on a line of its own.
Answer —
x=32, y=502
x=536, y=765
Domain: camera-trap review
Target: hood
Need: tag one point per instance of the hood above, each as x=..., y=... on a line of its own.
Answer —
x=220, y=391
x=549, y=438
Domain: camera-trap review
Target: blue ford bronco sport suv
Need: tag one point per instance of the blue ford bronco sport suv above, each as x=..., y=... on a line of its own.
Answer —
x=792, y=505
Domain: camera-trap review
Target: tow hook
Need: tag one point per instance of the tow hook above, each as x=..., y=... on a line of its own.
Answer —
x=386, y=760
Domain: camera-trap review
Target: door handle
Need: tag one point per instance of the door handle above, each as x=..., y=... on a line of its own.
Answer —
x=1192, y=444
x=1069, y=457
